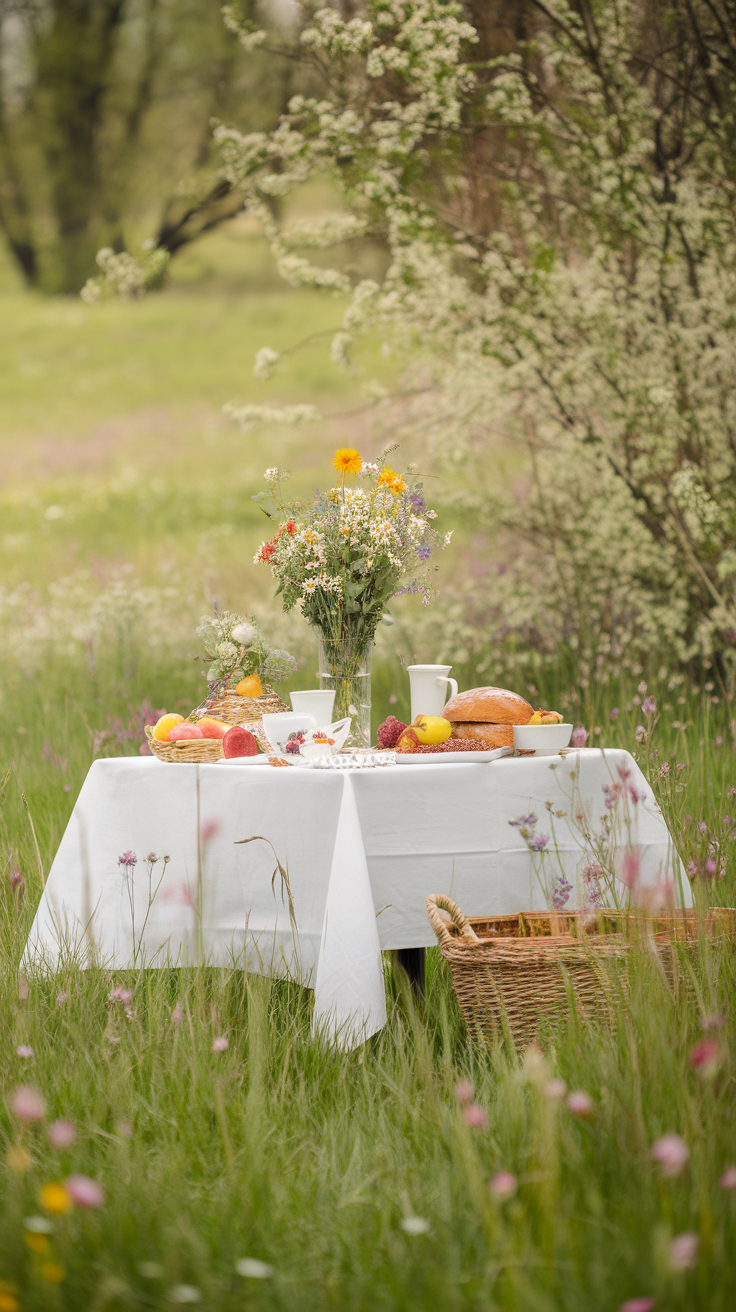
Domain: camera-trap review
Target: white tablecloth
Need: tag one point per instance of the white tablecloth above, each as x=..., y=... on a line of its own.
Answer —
x=359, y=851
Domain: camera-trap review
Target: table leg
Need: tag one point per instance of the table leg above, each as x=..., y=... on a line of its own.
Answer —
x=413, y=962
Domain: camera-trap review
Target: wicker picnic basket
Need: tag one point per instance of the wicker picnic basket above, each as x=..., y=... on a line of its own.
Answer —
x=527, y=968
x=222, y=703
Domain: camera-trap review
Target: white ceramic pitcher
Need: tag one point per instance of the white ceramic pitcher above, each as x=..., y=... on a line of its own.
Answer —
x=429, y=688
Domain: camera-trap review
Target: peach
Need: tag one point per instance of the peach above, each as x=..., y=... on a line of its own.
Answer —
x=212, y=728
x=239, y=742
x=162, y=726
x=182, y=732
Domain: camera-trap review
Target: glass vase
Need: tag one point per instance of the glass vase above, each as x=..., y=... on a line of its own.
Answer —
x=346, y=666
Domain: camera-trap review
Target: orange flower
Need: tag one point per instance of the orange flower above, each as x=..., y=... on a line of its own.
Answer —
x=392, y=480
x=347, y=461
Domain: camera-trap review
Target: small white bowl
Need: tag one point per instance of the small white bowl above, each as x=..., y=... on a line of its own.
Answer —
x=542, y=739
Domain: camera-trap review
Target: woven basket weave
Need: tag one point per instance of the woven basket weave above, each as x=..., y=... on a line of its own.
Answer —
x=222, y=703
x=527, y=967
x=191, y=751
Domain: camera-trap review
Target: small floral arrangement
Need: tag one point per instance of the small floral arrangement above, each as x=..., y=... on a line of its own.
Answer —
x=236, y=649
x=346, y=553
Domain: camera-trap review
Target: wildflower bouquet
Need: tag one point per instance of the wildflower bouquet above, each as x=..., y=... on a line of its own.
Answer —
x=236, y=649
x=342, y=556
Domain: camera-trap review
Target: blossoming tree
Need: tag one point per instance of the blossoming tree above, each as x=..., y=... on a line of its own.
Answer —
x=561, y=231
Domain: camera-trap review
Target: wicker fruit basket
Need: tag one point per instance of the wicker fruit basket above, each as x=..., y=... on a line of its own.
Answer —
x=192, y=751
x=526, y=967
x=224, y=704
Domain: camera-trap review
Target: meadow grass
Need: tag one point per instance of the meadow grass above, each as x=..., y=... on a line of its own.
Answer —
x=354, y=1177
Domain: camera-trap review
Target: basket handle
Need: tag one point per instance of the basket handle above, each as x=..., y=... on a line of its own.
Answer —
x=437, y=900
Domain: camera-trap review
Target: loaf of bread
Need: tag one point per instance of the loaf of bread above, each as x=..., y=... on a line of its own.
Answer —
x=487, y=706
x=487, y=736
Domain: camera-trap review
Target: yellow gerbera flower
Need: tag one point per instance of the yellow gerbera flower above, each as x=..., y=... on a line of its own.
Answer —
x=347, y=461
x=54, y=1198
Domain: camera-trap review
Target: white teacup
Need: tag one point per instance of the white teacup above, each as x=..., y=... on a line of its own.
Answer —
x=318, y=702
x=279, y=726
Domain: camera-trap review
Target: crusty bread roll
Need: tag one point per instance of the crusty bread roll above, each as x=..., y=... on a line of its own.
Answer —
x=488, y=706
x=487, y=736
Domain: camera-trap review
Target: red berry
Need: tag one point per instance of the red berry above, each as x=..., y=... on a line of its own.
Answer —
x=239, y=742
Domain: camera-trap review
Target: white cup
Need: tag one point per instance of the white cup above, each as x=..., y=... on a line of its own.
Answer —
x=278, y=726
x=429, y=685
x=318, y=702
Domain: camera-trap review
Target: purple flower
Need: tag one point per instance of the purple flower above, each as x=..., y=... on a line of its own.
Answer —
x=424, y=553
x=649, y=706
x=579, y=736
x=561, y=892
x=614, y=712
x=523, y=822
x=152, y=858
x=128, y=859
x=538, y=842
x=416, y=501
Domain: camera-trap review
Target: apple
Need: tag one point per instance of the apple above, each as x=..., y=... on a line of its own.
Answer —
x=239, y=742
x=182, y=732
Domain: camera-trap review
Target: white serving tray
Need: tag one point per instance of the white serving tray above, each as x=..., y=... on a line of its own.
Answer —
x=440, y=758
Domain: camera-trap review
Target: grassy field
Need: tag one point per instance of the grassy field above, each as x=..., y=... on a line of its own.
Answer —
x=276, y=1174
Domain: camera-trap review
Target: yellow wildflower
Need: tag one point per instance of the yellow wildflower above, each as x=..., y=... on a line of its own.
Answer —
x=53, y=1272
x=392, y=480
x=36, y=1242
x=8, y=1301
x=19, y=1160
x=347, y=461
x=55, y=1198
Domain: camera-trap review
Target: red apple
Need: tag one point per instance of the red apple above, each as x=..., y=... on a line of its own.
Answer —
x=239, y=742
x=181, y=732
x=212, y=728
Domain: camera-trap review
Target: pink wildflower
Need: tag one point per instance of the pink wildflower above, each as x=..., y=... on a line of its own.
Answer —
x=62, y=1134
x=704, y=1056
x=644, y=1304
x=630, y=867
x=555, y=1088
x=502, y=1184
x=464, y=1091
x=85, y=1192
x=28, y=1104
x=670, y=1153
x=475, y=1116
x=25, y=1051
x=580, y=1103
x=176, y=1014
x=220, y=1044
x=728, y=1179
x=61, y=999
x=579, y=736
x=683, y=1251
x=209, y=829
